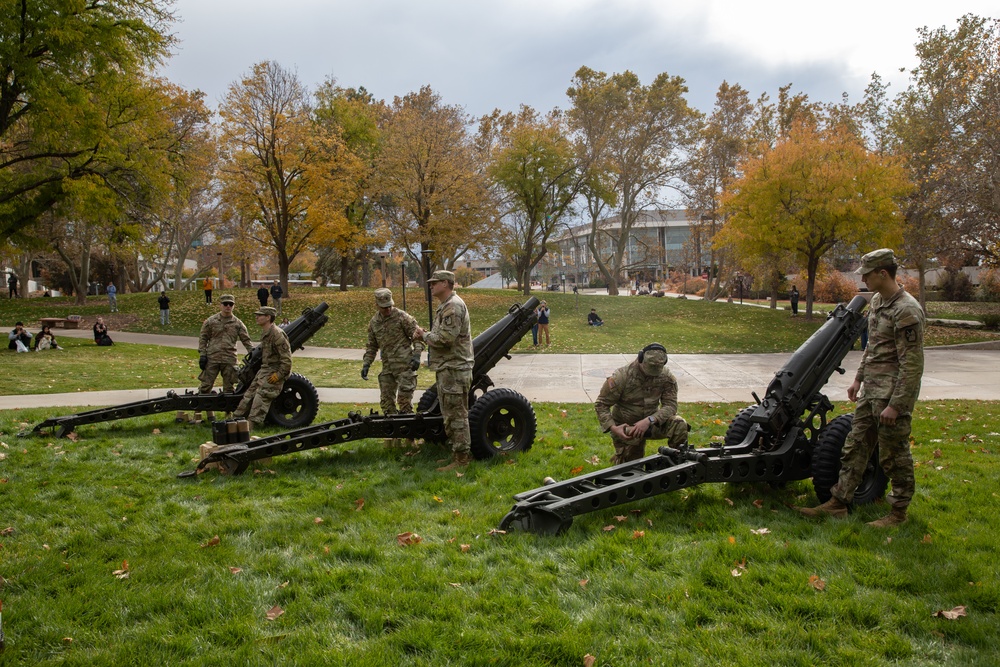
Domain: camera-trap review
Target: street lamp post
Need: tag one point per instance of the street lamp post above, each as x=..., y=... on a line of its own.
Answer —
x=425, y=257
x=221, y=284
x=382, y=255
x=402, y=272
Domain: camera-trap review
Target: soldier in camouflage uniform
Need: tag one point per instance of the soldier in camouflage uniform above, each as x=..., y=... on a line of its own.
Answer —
x=639, y=403
x=275, y=367
x=450, y=355
x=889, y=382
x=391, y=331
x=217, y=348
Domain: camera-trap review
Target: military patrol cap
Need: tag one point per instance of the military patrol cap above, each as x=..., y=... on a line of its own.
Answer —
x=227, y=298
x=383, y=298
x=438, y=276
x=653, y=362
x=266, y=310
x=883, y=258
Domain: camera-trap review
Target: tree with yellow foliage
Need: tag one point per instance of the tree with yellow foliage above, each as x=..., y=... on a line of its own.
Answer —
x=814, y=189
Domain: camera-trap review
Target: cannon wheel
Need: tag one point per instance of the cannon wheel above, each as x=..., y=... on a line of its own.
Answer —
x=739, y=427
x=501, y=421
x=297, y=404
x=826, y=464
x=429, y=401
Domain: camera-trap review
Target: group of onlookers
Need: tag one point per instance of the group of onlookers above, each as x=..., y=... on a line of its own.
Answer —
x=20, y=340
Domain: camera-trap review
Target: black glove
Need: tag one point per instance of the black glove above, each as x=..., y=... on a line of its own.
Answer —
x=364, y=370
x=203, y=361
x=415, y=361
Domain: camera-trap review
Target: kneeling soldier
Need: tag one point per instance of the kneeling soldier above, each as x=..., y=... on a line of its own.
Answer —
x=638, y=403
x=275, y=367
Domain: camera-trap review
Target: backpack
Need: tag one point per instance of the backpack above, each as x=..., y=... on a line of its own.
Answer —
x=105, y=341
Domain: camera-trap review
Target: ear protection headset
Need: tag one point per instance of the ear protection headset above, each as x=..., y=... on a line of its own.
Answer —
x=650, y=348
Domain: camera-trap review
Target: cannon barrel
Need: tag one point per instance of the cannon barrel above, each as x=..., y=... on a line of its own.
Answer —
x=298, y=331
x=496, y=342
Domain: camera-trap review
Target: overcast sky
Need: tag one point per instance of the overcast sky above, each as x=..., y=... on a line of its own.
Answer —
x=484, y=54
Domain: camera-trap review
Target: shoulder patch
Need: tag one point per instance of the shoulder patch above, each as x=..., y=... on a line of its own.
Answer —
x=910, y=333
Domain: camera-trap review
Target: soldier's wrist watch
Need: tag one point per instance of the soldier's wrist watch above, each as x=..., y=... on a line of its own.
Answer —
x=652, y=420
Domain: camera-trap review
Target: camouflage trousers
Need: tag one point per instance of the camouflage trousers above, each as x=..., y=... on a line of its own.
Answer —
x=212, y=370
x=257, y=399
x=894, y=456
x=453, y=394
x=397, y=388
x=675, y=431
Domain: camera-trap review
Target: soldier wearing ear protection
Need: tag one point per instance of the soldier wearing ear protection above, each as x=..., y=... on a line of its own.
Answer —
x=639, y=403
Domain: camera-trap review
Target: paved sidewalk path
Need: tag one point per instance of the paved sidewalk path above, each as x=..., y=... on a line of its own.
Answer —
x=950, y=372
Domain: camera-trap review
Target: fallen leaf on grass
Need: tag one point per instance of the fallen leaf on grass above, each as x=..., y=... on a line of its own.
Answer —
x=589, y=660
x=608, y=529
x=358, y=504
x=732, y=540
x=584, y=582
x=758, y=503
x=621, y=518
x=454, y=585
x=731, y=503
x=465, y=547
x=46, y=547
x=438, y=499
x=576, y=471
x=235, y=570
x=737, y=573
x=459, y=474
x=937, y=453
x=156, y=431
x=638, y=534
x=565, y=434
x=761, y=531
x=595, y=459
x=214, y=542
x=497, y=531
x=281, y=585
x=9, y=530
x=952, y=614
x=318, y=520
x=122, y=573
x=408, y=539
x=649, y=522
x=72, y=436
x=927, y=539
x=816, y=582
x=567, y=447
x=456, y=513
x=274, y=612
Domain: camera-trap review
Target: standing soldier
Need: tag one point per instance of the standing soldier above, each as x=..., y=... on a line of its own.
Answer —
x=639, y=403
x=217, y=349
x=889, y=380
x=275, y=367
x=391, y=331
x=450, y=355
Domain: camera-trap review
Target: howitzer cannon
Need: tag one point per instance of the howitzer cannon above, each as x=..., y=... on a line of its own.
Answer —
x=295, y=407
x=784, y=437
x=500, y=420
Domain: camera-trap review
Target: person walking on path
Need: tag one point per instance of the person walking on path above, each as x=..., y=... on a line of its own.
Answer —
x=164, y=302
x=12, y=287
x=793, y=299
x=450, y=356
x=276, y=294
x=217, y=348
x=390, y=331
x=639, y=403
x=262, y=295
x=275, y=367
x=206, y=285
x=112, y=297
x=543, y=323
x=889, y=381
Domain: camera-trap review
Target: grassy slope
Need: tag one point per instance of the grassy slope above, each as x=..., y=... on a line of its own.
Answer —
x=630, y=323
x=352, y=596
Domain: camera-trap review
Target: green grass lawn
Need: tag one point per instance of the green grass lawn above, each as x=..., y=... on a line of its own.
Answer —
x=684, y=326
x=314, y=537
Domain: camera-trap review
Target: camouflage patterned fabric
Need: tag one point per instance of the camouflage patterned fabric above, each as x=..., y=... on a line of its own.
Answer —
x=276, y=358
x=890, y=373
x=450, y=354
x=631, y=395
x=392, y=335
x=218, y=342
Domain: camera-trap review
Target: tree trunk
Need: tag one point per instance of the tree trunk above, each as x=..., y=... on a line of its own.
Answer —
x=345, y=268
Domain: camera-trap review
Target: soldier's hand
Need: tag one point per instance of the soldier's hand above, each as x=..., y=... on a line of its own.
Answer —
x=418, y=334
x=364, y=371
x=639, y=428
x=415, y=362
x=852, y=391
x=203, y=361
x=620, y=431
x=888, y=416
x=274, y=378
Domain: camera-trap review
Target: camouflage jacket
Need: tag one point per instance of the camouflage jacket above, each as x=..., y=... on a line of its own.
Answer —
x=449, y=343
x=393, y=335
x=276, y=353
x=630, y=395
x=219, y=335
x=893, y=362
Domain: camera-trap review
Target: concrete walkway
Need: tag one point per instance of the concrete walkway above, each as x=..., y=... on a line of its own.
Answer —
x=950, y=372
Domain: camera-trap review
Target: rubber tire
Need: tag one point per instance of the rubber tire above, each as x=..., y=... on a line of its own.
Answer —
x=429, y=400
x=826, y=464
x=297, y=404
x=740, y=426
x=502, y=421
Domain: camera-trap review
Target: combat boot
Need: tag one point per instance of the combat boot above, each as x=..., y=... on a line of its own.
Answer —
x=832, y=507
x=893, y=518
x=459, y=460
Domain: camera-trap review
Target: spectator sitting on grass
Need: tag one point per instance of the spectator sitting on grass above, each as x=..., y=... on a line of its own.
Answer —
x=45, y=339
x=19, y=335
x=593, y=319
